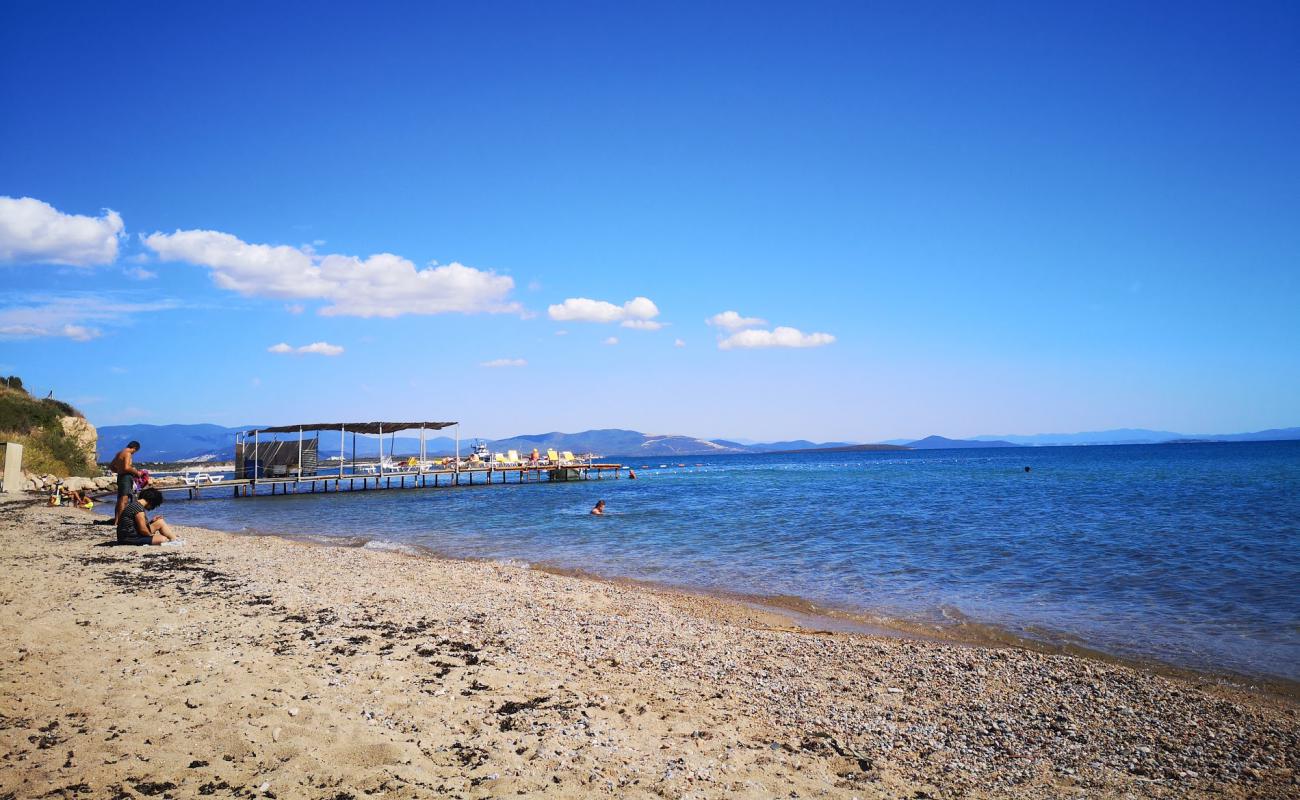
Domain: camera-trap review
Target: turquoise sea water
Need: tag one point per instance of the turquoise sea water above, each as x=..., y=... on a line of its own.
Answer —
x=1187, y=554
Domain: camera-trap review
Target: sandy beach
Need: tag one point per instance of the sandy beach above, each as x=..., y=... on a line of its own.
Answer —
x=260, y=666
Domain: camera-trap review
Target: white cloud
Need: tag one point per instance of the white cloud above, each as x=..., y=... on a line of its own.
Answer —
x=778, y=337
x=679, y=343
x=80, y=333
x=561, y=333
x=71, y=316
x=294, y=308
x=611, y=340
x=35, y=231
x=639, y=312
x=141, y=274
x=382, y=285
x=732, y=321
x=642, y=324
x=321, y=349
x=77, y=333
x=315, y=348
x=505, y=362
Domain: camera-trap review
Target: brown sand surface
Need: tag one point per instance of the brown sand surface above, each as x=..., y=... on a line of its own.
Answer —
x=259, y=666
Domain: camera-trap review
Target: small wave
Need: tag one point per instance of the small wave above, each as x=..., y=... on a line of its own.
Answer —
x=392, y=547
x=512, y=562
x=329, y=540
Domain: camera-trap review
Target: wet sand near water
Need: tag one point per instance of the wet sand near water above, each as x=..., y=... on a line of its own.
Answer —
x=259, y=666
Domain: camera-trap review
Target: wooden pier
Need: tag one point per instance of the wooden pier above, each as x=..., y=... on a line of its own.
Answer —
x=267, y=465
x=486, y=475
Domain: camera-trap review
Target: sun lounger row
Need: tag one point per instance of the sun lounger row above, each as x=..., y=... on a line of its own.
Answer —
x=552, y=458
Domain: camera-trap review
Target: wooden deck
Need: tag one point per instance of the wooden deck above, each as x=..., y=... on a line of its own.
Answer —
x=427, y=479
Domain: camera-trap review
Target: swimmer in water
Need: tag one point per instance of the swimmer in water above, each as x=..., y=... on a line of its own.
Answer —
x=631, y=474
x=599, y=508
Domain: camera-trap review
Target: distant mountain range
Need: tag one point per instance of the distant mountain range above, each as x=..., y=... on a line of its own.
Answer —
x=216, y=443
x=1144, y=436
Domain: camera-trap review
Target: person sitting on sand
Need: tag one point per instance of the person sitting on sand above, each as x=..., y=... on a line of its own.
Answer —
x=135, y=528
x=126, y=475
x=599, y=508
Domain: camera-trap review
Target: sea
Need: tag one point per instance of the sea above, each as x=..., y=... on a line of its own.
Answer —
x=1180, y=555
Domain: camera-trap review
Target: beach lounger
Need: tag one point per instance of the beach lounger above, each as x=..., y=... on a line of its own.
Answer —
x=512, y=456
x=552, y=456
x=498, y=459
x=567, y=457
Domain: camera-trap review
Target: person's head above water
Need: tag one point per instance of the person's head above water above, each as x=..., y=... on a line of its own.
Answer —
x=599, y=508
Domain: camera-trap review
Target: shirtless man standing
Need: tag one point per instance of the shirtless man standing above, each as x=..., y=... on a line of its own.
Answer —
x=126, y=475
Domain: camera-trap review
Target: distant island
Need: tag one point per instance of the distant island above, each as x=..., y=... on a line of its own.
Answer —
x=846, y=448
x=944, y=443
x=928, y=443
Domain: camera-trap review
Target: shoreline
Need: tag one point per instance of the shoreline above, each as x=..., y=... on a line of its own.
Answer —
x=814, y=618
x=807, y=614
x=280, y=668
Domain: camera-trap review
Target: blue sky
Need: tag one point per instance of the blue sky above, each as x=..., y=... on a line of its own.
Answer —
x=1003, y=218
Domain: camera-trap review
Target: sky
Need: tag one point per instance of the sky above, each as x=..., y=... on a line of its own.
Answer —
x=834, y=221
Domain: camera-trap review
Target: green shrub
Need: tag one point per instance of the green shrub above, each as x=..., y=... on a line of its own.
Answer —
x=35, y=425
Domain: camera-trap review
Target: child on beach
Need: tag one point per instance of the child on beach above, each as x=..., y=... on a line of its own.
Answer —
x=75, y=498
x=135, y=528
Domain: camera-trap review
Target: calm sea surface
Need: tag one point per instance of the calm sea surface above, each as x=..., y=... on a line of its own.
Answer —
x=1188, y=554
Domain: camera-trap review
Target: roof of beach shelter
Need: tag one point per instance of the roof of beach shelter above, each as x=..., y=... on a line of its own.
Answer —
x=355, y=427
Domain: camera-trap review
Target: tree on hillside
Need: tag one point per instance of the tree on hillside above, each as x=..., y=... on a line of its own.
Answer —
x=14, y=382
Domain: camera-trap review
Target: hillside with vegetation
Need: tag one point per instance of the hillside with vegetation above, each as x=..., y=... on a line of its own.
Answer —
x=53, y=433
